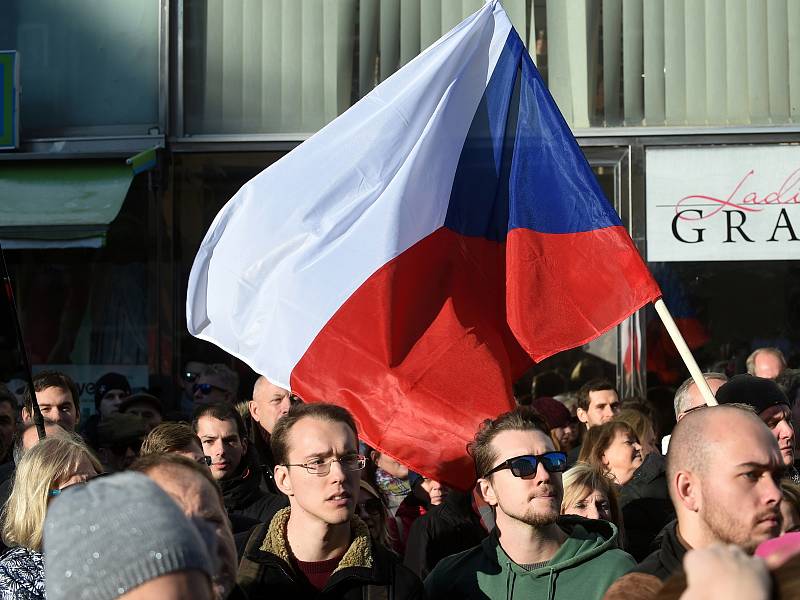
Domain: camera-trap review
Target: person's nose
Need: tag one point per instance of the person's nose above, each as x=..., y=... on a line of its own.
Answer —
x=542, y=474
x=773, y=493
x=785, y=430
x=286, y=404
x=592, y=512
x=217, y=449
x=337, y=472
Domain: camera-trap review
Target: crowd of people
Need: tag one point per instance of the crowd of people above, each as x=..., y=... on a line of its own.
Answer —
x=578, y=494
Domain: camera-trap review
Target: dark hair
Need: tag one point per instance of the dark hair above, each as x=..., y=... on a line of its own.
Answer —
x=222, y=411
x=279, y=440
x=48, y=379
x=522, y=418
x=599, y=438
x=7, y=396
x=548, y=384
x=169, y=437
x=595, y=385
x=145, y=464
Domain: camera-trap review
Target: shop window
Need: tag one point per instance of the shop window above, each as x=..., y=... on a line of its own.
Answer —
x=86, y=66
x=85, y=310
x=725, y=310
x=284, y=66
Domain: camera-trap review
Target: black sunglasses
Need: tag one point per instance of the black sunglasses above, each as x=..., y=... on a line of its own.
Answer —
x=205, y=388
x=525, y=466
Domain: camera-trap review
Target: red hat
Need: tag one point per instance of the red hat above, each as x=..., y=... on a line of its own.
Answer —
x=555, y=413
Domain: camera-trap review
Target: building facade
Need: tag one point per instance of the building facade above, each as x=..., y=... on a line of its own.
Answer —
x=688, y=112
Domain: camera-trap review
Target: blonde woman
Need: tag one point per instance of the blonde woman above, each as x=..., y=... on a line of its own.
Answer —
x=589, y=493
x=50, y=466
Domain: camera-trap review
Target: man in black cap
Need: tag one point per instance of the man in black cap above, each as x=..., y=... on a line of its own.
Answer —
x=771, y=405
x=109, y=392
x=119, y=440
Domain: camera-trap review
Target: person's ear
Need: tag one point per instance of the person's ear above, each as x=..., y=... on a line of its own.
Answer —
x=687, y=491
x=282, y=480
x=245, y=441
x=487, y=492
x=252, y=406
x=26, y=416
x=582, y=415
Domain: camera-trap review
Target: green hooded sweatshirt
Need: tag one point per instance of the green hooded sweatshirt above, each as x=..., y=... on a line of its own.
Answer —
x=587, y=563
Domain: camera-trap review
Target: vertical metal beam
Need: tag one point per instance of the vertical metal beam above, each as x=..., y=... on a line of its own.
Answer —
x=178, y=124
x=163, y=66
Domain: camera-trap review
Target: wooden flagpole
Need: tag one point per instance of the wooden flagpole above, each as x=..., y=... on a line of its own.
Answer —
x=686, y=354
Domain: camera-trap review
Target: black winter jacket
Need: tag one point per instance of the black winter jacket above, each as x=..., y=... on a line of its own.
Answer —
x=449, y=528
x=646, y=507
x=666, y=560
x=367, y=571
x=244, y=493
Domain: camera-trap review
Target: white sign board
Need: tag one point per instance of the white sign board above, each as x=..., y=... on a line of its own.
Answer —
x=723, y=203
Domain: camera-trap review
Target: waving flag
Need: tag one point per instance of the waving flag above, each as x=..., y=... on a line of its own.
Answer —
x=411, y=258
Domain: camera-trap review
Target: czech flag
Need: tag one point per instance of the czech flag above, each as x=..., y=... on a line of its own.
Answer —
x=410, y=260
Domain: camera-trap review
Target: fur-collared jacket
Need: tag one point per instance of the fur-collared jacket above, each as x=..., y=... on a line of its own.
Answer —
x=367, y=571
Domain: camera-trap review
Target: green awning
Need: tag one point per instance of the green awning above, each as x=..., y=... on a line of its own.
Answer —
x=60, y=205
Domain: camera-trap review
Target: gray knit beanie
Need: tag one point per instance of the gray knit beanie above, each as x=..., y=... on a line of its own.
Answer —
x=113, y=534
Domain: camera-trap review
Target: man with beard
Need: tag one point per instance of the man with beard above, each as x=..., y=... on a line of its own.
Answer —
x=222, y=434
x=318, y=548
x=533, y=552
x=723, y=469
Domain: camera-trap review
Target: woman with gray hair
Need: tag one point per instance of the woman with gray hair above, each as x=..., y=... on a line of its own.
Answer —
x=51, y=466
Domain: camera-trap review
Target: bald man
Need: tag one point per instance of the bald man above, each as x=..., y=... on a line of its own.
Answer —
x=723, y=469
x=270, y=402
x=689, y=398
x=766, y=362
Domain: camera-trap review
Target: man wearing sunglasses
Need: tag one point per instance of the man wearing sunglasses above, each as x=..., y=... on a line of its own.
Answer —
x=318, y=547
x=533, y=552
x=217, y=383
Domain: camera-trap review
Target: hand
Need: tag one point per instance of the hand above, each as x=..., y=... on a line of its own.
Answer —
x=725, y=572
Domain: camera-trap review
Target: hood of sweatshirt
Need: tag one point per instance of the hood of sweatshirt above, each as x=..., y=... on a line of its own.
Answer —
x=588, y=540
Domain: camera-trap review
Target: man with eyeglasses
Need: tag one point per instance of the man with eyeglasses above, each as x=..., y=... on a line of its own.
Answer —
x=318, y=547
x=533, y=551
x=187, y=377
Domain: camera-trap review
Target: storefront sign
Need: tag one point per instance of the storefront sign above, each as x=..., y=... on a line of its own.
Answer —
x=85, y=376
x=723, y=203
